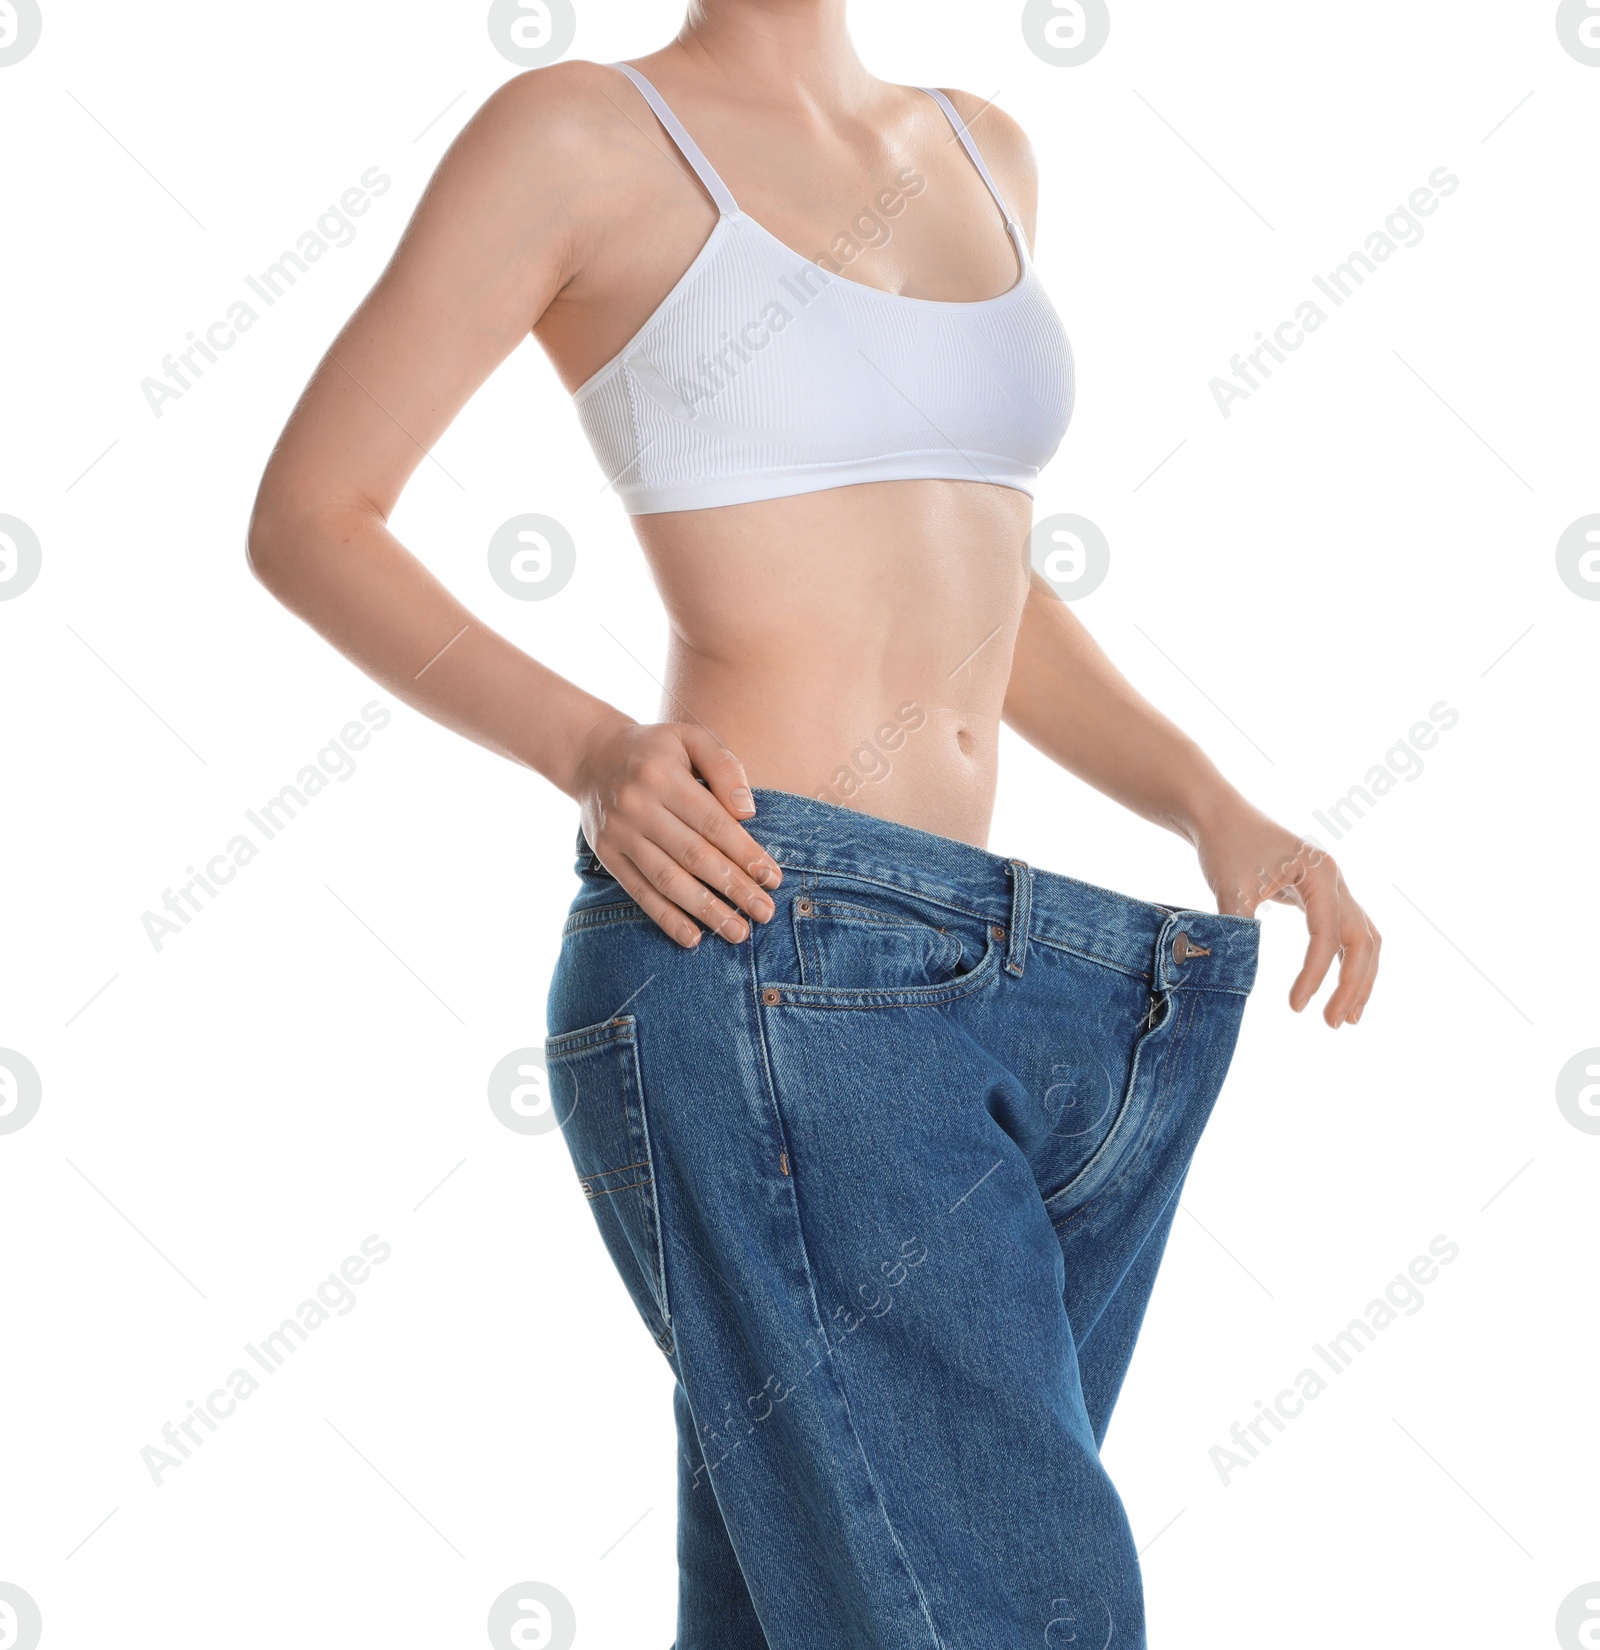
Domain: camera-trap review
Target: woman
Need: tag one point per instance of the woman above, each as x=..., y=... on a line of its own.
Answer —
x=888, y=1163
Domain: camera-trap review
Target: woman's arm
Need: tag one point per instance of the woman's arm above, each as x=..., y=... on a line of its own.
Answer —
x=1068, y=700
x=494, y=240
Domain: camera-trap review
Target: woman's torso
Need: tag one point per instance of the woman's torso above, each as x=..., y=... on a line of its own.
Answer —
x=852, y=643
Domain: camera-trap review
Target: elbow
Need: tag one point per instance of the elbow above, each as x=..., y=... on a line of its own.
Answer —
x=291, y=534
x=258, y=554
x=280, y=533
x=263, y=542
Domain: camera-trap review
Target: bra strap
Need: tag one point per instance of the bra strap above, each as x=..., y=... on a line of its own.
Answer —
x=703, y=169
x=972, y=150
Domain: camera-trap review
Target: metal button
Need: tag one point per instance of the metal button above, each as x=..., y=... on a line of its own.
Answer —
x=803, y=906
x=771, y=995
x=997, y=932
x=1183, y=948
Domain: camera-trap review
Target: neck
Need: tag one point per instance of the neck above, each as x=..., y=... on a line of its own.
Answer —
x=788, y=51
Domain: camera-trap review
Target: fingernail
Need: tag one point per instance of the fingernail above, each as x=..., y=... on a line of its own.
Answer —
x=743, y=801
x=733, y=930
x=768, y=875
x=762, y=909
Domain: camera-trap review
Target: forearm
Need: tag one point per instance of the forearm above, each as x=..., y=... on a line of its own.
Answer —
x=342, y=571
x=1067, y=699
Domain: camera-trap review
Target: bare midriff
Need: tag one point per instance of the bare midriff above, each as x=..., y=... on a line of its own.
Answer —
x=852, y=644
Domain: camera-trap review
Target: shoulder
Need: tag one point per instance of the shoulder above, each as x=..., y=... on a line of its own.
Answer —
x=566, y=105
x=569, y=129
x=1004, y=146
x=999, y=137
x=568, y=146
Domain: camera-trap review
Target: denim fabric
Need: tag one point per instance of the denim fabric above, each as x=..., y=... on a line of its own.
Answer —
x=889, y=1184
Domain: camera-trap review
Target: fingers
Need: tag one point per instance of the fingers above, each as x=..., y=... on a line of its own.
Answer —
x=671, y=842
x=667, y=917
x=1306, y=877
x=1372, y=974
x=1318, y=892
x=690, y=843
x=688, y=894
x=1339, y=929
x=1358, y=968
x=721, y=770
x=725, y=776
x=727, y=856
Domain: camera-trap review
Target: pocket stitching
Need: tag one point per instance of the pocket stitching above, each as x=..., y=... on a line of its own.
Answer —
x=910, y=996
x=596, y=916
x=564, y=1043
x=945, y=951
x=622, y=1031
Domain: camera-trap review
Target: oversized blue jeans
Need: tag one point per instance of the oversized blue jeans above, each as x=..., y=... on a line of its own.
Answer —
x=889, y=1183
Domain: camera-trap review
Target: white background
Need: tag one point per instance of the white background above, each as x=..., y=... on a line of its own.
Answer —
x=225, y=1119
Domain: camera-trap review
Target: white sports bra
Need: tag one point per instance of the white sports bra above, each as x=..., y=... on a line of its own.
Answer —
x=761, y=375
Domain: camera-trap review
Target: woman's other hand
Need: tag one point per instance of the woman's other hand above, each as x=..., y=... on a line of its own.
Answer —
x=1248, y=859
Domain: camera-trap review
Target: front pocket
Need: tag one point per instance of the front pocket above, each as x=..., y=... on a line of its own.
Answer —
x=860, y=944
x=598, y=1097
x=843, y=943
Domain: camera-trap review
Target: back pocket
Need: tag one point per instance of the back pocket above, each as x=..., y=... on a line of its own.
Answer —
x=598, y=1097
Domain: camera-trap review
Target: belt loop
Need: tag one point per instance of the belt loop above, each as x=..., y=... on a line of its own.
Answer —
x=1021, y=916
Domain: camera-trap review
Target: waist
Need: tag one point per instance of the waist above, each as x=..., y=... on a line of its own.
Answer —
x=1192, y=948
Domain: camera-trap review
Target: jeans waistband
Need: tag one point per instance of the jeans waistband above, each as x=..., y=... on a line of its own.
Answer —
x=1173, y=945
